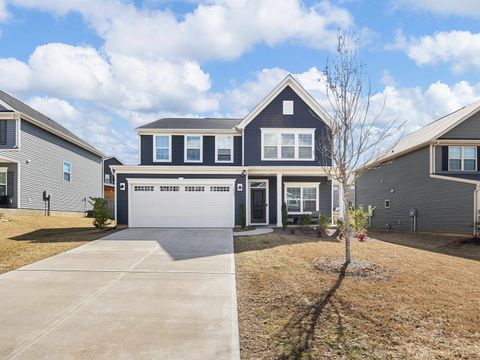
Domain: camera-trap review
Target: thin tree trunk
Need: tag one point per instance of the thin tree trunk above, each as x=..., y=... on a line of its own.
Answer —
x=346, y=219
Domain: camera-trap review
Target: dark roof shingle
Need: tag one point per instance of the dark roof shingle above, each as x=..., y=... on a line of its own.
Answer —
x=45, y=120
x=193, y=123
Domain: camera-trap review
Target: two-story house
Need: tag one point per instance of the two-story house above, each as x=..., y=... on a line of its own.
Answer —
x=42, y=164
x=430, y=180
x=203, y=172
x=109, y=178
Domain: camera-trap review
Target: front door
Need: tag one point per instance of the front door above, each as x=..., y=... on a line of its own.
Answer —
x=259, y=205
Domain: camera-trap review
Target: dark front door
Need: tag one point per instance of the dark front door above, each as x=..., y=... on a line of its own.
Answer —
x=259, y=206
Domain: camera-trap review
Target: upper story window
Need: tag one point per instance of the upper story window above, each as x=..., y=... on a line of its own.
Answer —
x=3, y=132
x=224, y=149
x=193, y=148
x=288, y=144
x=287, y=107
x=462, y=158
x=67, y=171
x=162, y=148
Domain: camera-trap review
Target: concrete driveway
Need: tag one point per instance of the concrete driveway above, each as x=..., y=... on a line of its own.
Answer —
x=136, y=294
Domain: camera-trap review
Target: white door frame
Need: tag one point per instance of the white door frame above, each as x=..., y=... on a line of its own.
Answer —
x=267, y=200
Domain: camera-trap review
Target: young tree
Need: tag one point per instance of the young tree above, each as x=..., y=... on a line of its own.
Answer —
x=356, y=138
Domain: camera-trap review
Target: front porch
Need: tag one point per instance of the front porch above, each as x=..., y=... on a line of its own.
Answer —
x=302, y=193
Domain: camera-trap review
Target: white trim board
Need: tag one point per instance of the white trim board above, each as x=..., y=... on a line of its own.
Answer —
x=144, y=181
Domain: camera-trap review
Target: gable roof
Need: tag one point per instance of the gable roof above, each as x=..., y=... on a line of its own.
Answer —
x=432, y=131
x=193, y=123
x=289, y=80
x=37, y=118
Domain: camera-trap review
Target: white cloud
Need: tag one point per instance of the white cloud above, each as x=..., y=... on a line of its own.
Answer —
x=469, y=8
x=220, y=29
x=14, y=75
x=460, y=49
x=90, y=124
x=4, y=14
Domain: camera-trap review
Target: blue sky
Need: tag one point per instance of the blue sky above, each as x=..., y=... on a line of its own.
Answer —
x=101, y=68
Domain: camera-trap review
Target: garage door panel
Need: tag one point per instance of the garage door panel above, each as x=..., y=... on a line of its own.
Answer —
x=212, y=207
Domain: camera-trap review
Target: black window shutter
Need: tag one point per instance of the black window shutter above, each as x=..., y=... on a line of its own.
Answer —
x=3, y=132
x=444, y=158
x=478, y=158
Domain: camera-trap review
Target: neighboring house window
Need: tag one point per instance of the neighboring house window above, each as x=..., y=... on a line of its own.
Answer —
x=3, y=132
x=301, y=198
x=287, y=107
x=462, y=158
x=224, y=149
x=107, y=178
x=193, y=148
x=67, y=171
x=286, y=144
x=387, y=204
x=3, y=183
x=162, y=147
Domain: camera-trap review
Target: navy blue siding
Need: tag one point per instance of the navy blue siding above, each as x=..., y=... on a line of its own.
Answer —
x=146, y=143
x=122, y=195
x=272, y=117
x=106, y=168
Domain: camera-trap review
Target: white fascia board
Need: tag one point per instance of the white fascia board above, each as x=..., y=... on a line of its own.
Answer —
x=304, y=95
x=451, y=178
x=181, y=181
x=8, y=116
x=232, y=131
x=456, y=142
x=288, y=170
x=160, y=169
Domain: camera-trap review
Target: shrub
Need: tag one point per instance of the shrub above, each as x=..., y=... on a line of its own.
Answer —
x=359, y=220
x=284, y=216
x=292, y=230
x=305, y=221
x=323, y=222
x=476, y=225
x=243, y=217
x=101, y=217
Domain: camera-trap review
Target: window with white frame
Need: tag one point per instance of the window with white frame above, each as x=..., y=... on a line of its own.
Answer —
x=169, y=188
x=107, y=178
x=3, y=182
x=288, y=144
x=67, y=171
x=301, y=198
x=193, y=148
x=148, y=188
x=224, y=149
x=195, y=188
x=163, y=144
x=462, y=158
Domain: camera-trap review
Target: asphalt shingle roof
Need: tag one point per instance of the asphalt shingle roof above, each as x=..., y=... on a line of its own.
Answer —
x=193, y=123
x=27, y=110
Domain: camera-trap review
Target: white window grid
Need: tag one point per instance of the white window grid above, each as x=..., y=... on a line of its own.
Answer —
x=191, y=188
x=169, y=188
x=143, y=188
x=219, y=188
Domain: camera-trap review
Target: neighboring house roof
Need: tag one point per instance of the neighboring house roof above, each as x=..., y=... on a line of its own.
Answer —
x=431, y=132
x=44, y=121
x=193, y=123
x=112, y=158
x=304, y=95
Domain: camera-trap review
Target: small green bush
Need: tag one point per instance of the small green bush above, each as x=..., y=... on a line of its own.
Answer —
x=359, y=219
x=284, y=216
x=101, y=217
x=243, y=217
x=305, y=221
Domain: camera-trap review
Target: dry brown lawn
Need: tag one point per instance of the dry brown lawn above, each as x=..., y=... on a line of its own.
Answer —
x=428, y=307
x=26, y=239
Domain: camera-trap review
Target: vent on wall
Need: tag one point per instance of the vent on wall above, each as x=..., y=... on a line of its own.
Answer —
x=287, y=107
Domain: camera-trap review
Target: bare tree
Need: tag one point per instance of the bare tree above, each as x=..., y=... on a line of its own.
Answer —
x=356, y=138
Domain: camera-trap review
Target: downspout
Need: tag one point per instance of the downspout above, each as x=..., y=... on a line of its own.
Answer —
x=475, y=209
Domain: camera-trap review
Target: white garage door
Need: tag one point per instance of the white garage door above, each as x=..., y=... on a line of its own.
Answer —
x=181, y=203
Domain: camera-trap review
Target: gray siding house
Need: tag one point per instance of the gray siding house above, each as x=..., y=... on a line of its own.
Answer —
x=40, y=157
x=203, y=172
x=430, y=181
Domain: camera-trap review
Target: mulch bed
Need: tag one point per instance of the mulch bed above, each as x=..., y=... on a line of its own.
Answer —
x=357, y=269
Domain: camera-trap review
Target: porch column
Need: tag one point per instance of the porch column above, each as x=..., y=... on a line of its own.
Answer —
x=279, y=200
x=247, y=200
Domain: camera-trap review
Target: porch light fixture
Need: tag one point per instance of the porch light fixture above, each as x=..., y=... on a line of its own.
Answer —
x=244, y=172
